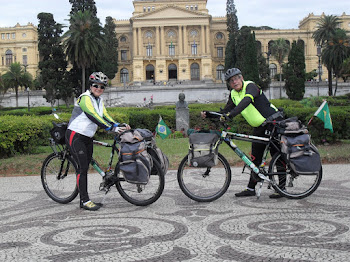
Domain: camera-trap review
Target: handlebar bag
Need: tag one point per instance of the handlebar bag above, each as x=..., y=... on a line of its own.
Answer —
x=58, y=132
x=203, y=150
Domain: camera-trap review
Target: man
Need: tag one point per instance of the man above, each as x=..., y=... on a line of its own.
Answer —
x=88, y=114
x=249, y=100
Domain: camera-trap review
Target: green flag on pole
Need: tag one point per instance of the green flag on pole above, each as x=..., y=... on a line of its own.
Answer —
x=162, y=129
x=324, y=114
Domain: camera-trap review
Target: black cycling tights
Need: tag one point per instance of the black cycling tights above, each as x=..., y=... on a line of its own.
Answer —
x=81, y=148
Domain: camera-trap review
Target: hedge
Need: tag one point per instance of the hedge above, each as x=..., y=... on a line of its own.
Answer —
x=20, y=134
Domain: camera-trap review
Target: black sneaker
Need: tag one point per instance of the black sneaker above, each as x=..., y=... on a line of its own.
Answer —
x=245, y=193
x=90, y=206
x=275, y=195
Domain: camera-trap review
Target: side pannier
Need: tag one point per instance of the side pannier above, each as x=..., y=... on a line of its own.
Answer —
x=203, y=151
x=157, y=153
x=135, y=162
x=301, y=154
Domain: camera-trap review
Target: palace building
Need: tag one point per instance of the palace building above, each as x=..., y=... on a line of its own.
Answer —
x=169, y=40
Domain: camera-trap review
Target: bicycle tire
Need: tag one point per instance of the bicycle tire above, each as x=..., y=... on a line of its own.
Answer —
x=201, y=186
x=142, y=195
x=59, y=186
x=289, y=184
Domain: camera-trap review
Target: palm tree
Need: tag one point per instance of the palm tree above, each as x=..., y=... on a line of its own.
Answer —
x=16, y=76
x=83, y=41
x=326, y=29
x=336, y=52
x=279, y=50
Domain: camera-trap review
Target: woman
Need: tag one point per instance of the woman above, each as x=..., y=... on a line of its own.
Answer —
x=88, y=114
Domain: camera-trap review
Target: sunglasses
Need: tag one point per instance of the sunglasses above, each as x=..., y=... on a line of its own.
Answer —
x=98, y=86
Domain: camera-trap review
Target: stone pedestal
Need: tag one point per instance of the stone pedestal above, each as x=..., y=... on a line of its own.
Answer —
x=182, y=119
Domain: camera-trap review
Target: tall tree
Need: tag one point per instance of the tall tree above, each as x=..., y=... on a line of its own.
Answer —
x=279, y=49
x=264, y=72
x=52, y=63
x=294, y=72
x=15, y=77
x=336, y=52
x=247, y=59
x=232, y=28
x=83, y=5
x=83, y=41
x=108, y=61
x=326, y=29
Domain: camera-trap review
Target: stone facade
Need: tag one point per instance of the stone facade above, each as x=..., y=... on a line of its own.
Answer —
x=19, y=44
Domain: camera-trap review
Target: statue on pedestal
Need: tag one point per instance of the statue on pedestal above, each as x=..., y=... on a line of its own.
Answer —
x=182, y=114
x=181, y=103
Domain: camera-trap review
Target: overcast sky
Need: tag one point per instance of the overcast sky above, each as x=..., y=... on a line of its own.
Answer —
x=279, y=14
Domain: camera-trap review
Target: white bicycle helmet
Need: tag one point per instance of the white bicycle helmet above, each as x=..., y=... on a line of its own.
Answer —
x=98, y=77
x=232, y=72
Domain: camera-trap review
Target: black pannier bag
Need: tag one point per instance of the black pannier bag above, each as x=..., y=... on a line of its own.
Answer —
x=203, y=151
x=302, y=155
x=135, y=162
x=58, y=132
x=157, y=153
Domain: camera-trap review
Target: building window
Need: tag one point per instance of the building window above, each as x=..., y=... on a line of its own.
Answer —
x=273, y=70
x=24, y=35
x=144, y=9
x=195, y=72
x=171, y=49
x=9, y=57
x=123, y=39
x=123, y=55
x=220, y=72
x=149, y=34
x=220, y=52
x=196, y=7
x=149, y=50
x=124, y=75
x=153, y=8
x=219, y=36
x=2, y=36
x=24, y=49
x=8, y=36
x=171, y=33
x=13, y=35
x=25, y=60
x=149, y=9
x=191, y=7
x=187, y=7
x=2, y=60
x=194, y=33
x=194, y=49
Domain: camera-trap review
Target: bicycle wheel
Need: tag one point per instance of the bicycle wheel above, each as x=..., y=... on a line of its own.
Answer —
x=290, y=184
x=204, y=184
x=58, y=177
x=142, y=195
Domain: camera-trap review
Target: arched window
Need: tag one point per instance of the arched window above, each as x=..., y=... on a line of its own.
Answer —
x=123, y=39
x=124, y=75
x=195, y=72
x=219, y=36
x=220, y=72
x=273, y=70
x=9, y=57
x=149, y=72
x=172, y=71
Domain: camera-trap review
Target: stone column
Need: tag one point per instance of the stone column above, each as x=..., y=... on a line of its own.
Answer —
x=162, y=40
x=185, y=40
x=140, y=42
x=202, y=39
x=158, y=40
x=134, y=36
x=207, y=38
x=180, y=41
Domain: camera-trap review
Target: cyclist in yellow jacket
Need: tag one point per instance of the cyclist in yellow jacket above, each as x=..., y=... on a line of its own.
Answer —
x=248, y=99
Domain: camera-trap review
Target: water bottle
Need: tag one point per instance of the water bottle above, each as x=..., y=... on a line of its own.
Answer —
x=97, y=168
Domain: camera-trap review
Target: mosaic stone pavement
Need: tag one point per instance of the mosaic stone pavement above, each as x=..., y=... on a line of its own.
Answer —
x=175, y=228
